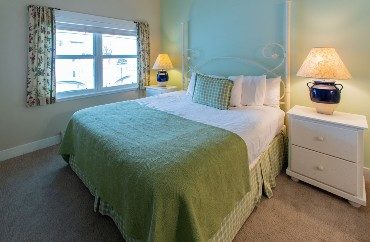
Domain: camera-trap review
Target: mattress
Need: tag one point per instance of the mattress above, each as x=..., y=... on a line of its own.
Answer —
x=256, y=125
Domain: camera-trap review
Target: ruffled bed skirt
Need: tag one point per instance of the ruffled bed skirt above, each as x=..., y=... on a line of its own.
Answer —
x=262, y=180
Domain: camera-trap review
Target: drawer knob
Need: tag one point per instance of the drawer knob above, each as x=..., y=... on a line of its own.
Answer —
x=320, y=138
x=320, y=168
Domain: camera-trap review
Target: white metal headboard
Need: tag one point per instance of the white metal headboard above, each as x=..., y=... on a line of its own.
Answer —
x=273, y=51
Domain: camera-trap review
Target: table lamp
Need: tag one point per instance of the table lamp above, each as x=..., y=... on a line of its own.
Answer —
x=325, y=66
x=162, y=63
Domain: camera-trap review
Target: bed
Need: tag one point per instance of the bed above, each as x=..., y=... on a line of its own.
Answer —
x=165, y=168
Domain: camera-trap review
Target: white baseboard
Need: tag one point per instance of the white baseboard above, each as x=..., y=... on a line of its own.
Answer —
x=367, y=174
x=30, y=147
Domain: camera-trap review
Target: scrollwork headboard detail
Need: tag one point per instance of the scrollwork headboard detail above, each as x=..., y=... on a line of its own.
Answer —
x=272, y=51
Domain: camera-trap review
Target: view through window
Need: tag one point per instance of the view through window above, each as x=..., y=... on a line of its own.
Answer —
x=88, y=63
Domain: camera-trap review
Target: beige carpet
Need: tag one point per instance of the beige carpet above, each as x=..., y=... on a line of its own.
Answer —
x=41, y=199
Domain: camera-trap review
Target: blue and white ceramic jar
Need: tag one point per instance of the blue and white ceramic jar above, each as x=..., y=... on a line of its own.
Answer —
x=325, y=95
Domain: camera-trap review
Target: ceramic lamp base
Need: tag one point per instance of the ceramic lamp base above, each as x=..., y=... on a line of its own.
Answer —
x=161, y=84
x=324, y=108
x=162, y=78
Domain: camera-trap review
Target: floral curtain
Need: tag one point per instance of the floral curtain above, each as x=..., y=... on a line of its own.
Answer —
x=143, y=60
x=41, y=47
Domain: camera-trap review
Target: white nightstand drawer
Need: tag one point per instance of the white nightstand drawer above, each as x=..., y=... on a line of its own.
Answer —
x=328, y=139
x=329, y=170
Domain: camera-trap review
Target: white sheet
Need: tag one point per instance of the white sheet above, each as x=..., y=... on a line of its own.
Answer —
x=257, y=126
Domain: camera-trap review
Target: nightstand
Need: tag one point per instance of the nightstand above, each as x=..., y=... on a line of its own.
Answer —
x=156, y=90
x=327, y=151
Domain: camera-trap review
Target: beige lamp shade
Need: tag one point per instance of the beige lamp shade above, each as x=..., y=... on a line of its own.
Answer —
x=324, y=63
x=162, y=62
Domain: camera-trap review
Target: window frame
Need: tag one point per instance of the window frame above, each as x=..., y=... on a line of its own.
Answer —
x=97, y=57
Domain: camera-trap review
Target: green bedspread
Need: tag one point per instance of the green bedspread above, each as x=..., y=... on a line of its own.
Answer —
x=166, y=177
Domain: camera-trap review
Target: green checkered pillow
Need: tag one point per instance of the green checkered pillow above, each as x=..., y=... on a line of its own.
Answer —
x=212, y=91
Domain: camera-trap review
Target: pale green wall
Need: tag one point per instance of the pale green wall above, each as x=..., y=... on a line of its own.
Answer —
x=248, y=24
x=221, y=28
x=19, y=124
x=344, y=25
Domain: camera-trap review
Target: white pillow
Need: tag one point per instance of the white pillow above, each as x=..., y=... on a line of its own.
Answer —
x=272, y=97
x=191, y=85
x=254, y=90
x=236, y=92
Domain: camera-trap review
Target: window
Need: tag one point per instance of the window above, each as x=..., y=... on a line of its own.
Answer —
x=94, y=55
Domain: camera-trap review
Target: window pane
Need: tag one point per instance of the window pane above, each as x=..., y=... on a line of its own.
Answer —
x=119, y=45
x=73, y=43
x=119, y=71
x=74, y=74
